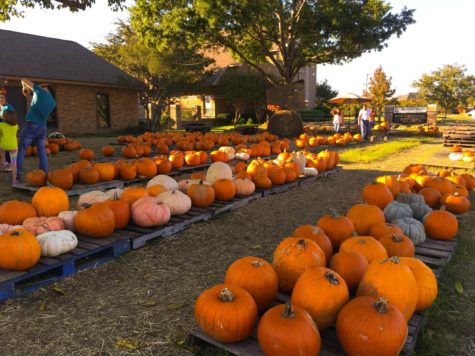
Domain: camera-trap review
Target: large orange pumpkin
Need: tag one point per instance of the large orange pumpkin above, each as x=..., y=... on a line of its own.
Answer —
x=294, y=256
x=61, y=178
x=14, y=212
x=86, y=153
x=368, y=246
x=322, y=293
x=50, y=201
x=226, y=312
x=338, y=228
x=131, y=194
x=19, y=250
x=36, y=178
x=224, y=189
x=97, y=221
x=316, y=234
x=257, y=276
x=382, y=229
x=441, y=225
x=201, y=195
x=398, y=245
x=369, y=326
x=377, y=194
x=364, y=217
x=106, y=171
x=288, y=330
x=392, y=280
x=351, y=266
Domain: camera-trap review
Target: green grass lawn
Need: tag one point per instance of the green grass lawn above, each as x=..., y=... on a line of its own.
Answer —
x=380, y=150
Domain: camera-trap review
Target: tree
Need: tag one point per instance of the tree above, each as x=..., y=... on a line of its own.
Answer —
x=166, y=74
x=380, y=90
x=286, y=34
x=448, y=86
x=9, y=8
x=243, y=89
x=325, y=92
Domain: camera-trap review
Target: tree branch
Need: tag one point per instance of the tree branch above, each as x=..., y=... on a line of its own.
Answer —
x=73, y=3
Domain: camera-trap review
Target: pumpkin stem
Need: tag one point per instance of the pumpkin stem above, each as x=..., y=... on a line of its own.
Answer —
x=381, y=305
x=256, y=263
x=397, y=238
x=442, y=207
x=15, y=233
x=354, y=234
x=86, y=205
x=330, y=277
x=226, y=295
x=302, y=243
x=288, y=311
x=395, y=259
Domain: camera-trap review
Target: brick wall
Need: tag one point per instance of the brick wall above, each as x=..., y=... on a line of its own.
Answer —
x=76, y=108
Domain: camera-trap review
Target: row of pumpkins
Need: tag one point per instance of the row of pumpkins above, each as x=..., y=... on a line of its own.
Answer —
x=54, y=145
x=50, y=219
x=305, y=140
x=188, y=141
x=369, y=253
x=85, y=172
x=458, y=154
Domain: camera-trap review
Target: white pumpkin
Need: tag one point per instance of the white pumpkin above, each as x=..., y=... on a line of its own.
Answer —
x=166, y=181
x=68, y=219
x=299, y=158
x=243, y=156
x=115, y=193
x=185, y=183
x=244, y=186
x=55, y=243
x=178, y=202
x=218, y=170
x=89, y=198
x=310, y=171
x=455, y=156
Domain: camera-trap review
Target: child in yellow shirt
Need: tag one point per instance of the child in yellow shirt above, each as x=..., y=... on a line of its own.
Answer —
x=8, y=141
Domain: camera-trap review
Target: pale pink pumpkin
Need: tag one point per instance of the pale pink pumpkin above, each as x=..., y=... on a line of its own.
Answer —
x=149, y=211
x=43, y=224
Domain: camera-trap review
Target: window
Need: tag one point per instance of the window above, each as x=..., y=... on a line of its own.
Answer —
x=102, y=110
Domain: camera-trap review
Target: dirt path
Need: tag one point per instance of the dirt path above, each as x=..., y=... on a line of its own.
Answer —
x=145, y=298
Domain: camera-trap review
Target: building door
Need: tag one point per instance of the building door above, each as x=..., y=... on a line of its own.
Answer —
x=16, y=99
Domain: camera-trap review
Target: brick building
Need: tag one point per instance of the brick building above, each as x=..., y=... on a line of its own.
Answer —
x=91, y=94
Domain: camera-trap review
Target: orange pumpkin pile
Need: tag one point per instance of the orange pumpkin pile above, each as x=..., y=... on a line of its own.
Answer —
x=54, y=146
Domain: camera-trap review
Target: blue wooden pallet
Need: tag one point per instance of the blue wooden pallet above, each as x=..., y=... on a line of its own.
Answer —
x=88, y=254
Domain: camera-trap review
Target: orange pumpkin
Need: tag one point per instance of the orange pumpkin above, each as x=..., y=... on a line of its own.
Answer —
x=14, y=212
x=364, y=217
x=97, y=221
x=441, y=225
x=19, y=250
x=36, y=178
x=338, y=228
x=108, y=151
x=50, y=201
x=131, y=194
x=86, y=154
x=224, y=189
x=398, y=245
x=351, y=266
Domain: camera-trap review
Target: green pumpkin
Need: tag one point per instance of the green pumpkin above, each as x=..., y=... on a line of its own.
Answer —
x=409, y=198
x=412, y=228
x=420, y=210
x=396, y=210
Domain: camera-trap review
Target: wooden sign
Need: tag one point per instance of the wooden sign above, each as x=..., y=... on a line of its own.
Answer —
x=410, y=115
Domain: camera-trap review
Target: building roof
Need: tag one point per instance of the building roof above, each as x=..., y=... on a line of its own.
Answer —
x=30, y=56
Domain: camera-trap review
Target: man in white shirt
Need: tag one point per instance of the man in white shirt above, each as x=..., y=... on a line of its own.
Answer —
x=363, y=121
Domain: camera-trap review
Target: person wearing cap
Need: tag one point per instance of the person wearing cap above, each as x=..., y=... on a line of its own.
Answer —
x=34, y=130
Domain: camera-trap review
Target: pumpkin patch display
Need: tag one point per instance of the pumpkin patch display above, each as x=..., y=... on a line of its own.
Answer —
x=97, y=221
x=50, y=201
x=294, y=256
x=226, y=312
x=257, y=276
x=288, y=330
x=19, y=250
x=14, y=212
x=322, y=293
x=382, y=324
x=55, y=243
x=381, y=279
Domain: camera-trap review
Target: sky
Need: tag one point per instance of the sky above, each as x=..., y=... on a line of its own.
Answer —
x=444, y=33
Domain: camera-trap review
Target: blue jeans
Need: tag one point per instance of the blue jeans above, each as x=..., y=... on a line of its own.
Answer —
x=36, y=134
x=365, y=129
x=336, y=126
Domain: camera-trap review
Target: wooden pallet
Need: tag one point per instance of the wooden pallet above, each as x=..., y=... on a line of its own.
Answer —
x=88, y=254
x=460, y=135
x=436, y=254
x=78, y=189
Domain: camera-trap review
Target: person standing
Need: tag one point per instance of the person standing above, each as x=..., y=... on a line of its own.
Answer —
x=4, y=106
x=34, y=130
x=363, y=121
x=8, y=141
x=336, y=120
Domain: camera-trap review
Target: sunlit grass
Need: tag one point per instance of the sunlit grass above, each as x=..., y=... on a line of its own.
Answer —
x=380, y=151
